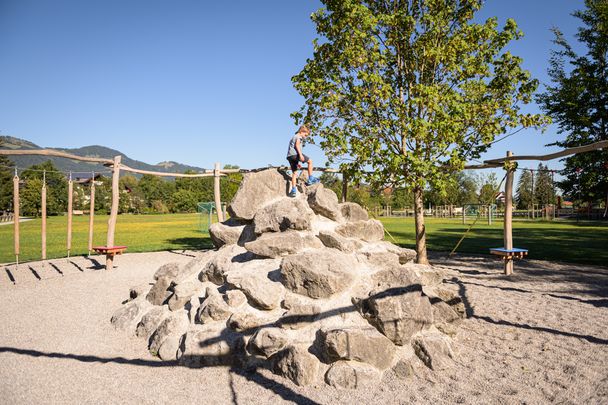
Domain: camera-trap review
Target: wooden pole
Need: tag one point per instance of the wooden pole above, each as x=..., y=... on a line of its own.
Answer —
x=216, y=192
x=70, y=210
x=508, y=223
x=344, y=187
x=91, y=213
x=113, y=211
x=43, y=207
x=16, y=215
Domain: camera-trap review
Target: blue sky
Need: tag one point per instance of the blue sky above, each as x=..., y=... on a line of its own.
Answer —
x=193, y=81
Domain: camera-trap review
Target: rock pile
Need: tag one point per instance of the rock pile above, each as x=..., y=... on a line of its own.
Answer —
x=304, y=286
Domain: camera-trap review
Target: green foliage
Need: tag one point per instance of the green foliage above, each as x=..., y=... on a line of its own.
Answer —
x=525, y=191
x=459, y=189
x=488, y=189
x=403, y=93
x=544, y=191
x=56, y=190
x=6, y=183
x=184, y=201
x=576, y=101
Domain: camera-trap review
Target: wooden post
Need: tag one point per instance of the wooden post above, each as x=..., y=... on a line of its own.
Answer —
x=216, y=192
x=91, y=213
x=16, y=215
x=344, y=187
x=113, y=211
x=43, y=207
x=508, y=224
x=70, y=211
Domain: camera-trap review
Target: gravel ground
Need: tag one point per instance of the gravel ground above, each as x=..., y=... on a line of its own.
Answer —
x=539, y=336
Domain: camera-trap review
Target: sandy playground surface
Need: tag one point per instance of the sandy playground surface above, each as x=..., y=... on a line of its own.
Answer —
x=540, y=336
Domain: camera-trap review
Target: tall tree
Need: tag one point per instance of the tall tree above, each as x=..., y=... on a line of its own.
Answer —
x=543, y=186
x=404, y=92
x=577, y=100
x=525, y=190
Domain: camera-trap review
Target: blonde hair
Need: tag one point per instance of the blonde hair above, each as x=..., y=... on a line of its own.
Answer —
x=303, y=128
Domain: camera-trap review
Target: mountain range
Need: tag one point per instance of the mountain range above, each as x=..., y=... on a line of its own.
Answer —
x=85, y=168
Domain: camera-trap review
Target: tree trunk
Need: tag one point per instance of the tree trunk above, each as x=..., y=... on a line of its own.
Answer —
x=421, y=257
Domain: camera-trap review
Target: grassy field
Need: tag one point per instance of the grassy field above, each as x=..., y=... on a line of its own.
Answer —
x=563, y=241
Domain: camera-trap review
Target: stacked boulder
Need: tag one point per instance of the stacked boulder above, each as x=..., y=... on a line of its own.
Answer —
x=305, y=287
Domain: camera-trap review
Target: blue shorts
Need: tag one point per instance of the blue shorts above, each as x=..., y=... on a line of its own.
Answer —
x=293, y=161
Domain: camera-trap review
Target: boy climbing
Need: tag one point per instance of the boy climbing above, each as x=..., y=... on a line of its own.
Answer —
x=295, y=157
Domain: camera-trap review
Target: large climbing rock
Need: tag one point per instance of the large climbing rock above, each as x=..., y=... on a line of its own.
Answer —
x=365, y=345
x=352, y=212
x=213, y=308
x=231, y=232
x=297, y=364
x=267, y=341
x=262, y=292
x=159, y=293
x=215, y=269
x=352, y=375
x=256, y=190
x=370, y=230
x=166, y=339
x=324, y=202
x=398, y=313
x=282, y=244
x=151, y=320
x=318, y=274
x=208, y=347
x=182, y=294
x=336, y=241
x=282, y=215
x=435, y=350
x=127, y=317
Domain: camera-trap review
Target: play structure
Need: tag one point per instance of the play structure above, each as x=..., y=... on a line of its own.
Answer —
x=110, y=249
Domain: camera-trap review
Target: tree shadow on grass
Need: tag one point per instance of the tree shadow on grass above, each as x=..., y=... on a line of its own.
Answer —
x=191, y=243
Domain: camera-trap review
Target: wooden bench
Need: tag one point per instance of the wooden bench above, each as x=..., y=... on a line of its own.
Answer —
x=509, y=254
x=110, y=251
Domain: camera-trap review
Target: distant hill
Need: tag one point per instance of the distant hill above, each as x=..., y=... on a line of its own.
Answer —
x=83, y=168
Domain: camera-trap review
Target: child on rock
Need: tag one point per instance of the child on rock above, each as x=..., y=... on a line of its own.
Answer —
x=295, y=157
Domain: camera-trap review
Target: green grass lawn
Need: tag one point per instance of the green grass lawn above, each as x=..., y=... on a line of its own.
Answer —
x=563, y=241
x=141, y=233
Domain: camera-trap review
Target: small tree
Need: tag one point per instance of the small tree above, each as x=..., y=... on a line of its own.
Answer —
x=543, y=186
x=403, y=93
x=56, y=189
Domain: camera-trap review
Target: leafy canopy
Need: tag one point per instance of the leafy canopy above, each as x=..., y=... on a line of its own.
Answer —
x=405, y=92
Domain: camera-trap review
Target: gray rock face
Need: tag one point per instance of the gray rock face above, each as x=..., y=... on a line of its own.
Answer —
x=256, y=190
x=403, y=368
x=300, y=314
x=182, y=294
x=231, y=232
x=352, y=375
x=267, y=341
x=150, y=321
x=318, y=274
x=235, y=298
x=282, y=215
x=202, y=347
x=281, y=244
x=216, y=268
x=262, y=292
x=353, y=212
x=159, y=294
x=214, y=308
x=245, y=322
x=435, y=350
x=139, y=291
x=297, y=364
x=128, y=316
x=165, y=340
x=405, y=255
x=336, y=241
x=324, y=202
x=169, y=270
x=370, y=230
x=364, y=345
x=399, y=313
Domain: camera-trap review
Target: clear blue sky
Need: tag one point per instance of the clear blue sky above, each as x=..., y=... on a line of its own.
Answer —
x=192, y=81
